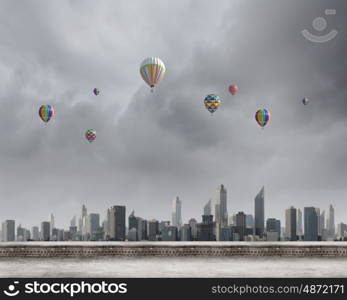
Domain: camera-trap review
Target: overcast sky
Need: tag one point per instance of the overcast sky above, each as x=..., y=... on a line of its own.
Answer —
x=152, y=147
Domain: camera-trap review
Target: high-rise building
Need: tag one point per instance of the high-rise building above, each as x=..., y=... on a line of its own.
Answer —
x=52, y=223
x=322, y=221
x=45, y=231
x=259, y=217
x=73, y=222
x=273, y=225
x=290, y=226
x=240, y=225
x=249, y=221
x=185, y=232
x=8, y=231
x=310, y=224
x=141, y=229
x=221, y=210
x=208, y=208
x=116, y=223
x=93, y=226
x=20, y=233
x=169, y=233
x=331, y=222
x=194, y=228
x=299, y=230
x=341, y=230
x=35, y=233
x=177, y=212
x=205, y=229
x=133, y=224
x=153, y=229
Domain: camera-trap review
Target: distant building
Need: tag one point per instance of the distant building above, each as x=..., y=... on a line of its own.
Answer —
x=341, y=230
x=116, y=223
x=322, y=223
x=35, y=233
x=169, y=233
x=45, y=231
x=290, y=226
x=93, y=226
x=331, y=222
x=52, y=225
x=273, y=225
x=249, y=221
x=185, y=233
x=132, y=234
x=20, y=233
x=259, y=218
x=153, y=229
x=221, y=211
x=141, y=229
x=299, y=230
x=208, y=208
x=177, y=212
x=194, y=229
x=8, y=231
x=205, y=229
x=310, y=224
x=240, y=225
x=226, y=234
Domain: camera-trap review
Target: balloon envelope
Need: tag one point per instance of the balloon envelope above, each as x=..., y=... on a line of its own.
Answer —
x=96, y=91
x=305, y=101
x=262, y=116
x=152, y=70
x=212, y=102
x=90, y=135
x=233, y=89
x=46, y=112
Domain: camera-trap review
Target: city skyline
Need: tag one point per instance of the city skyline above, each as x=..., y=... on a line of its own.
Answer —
x=93, y=226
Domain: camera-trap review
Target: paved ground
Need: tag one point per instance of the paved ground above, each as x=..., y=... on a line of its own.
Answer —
x=174, y=267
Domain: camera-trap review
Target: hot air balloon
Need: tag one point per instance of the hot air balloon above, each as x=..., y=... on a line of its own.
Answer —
x=152, y=70
x=305, y=101
x=90, y=135
x=212, y=102
x=46, y=112
x=96, y=91
x=233, y=89
x=262, y=116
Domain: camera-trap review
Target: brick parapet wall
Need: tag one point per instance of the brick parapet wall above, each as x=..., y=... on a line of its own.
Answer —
x=167, y=250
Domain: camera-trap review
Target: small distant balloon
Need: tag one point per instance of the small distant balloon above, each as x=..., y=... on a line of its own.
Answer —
x=212, y=102
x=46, y=112
x=233, y=89
x=305, y=101
x=96, y=91
x=262, y=116
x=90, y=135
x=152, y=70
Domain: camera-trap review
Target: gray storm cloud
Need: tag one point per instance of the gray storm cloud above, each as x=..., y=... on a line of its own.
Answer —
x=152, y=147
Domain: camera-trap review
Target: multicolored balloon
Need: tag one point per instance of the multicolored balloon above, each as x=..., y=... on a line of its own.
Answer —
x=305, y=101
x=46, y=112
x=152, y=70
x=262, y=116
x=96, y=91
x=233, y=89
x=90, y=135
x=212, y=102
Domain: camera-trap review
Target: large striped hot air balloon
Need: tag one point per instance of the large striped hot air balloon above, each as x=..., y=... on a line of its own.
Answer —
x=90, y=135
x=262, y=116
x=212, y=102
x=46, y=112
x=152, y=70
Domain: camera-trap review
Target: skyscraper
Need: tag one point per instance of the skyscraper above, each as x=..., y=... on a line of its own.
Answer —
x=8, y=231
x=273, y=225
x=241, y=225
x=331, y=222
x=259, y=213
x=35, y=235
x=116, y=223
x=221, y=211
x=133, y=224
x=52, y=222
x=153, y=229
x=194, y=228
x=93, y=226
x=208, y=208
x=45, y=231
x=177, y=212
x=310, y=224
x=290, y=227
x=299, y=230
